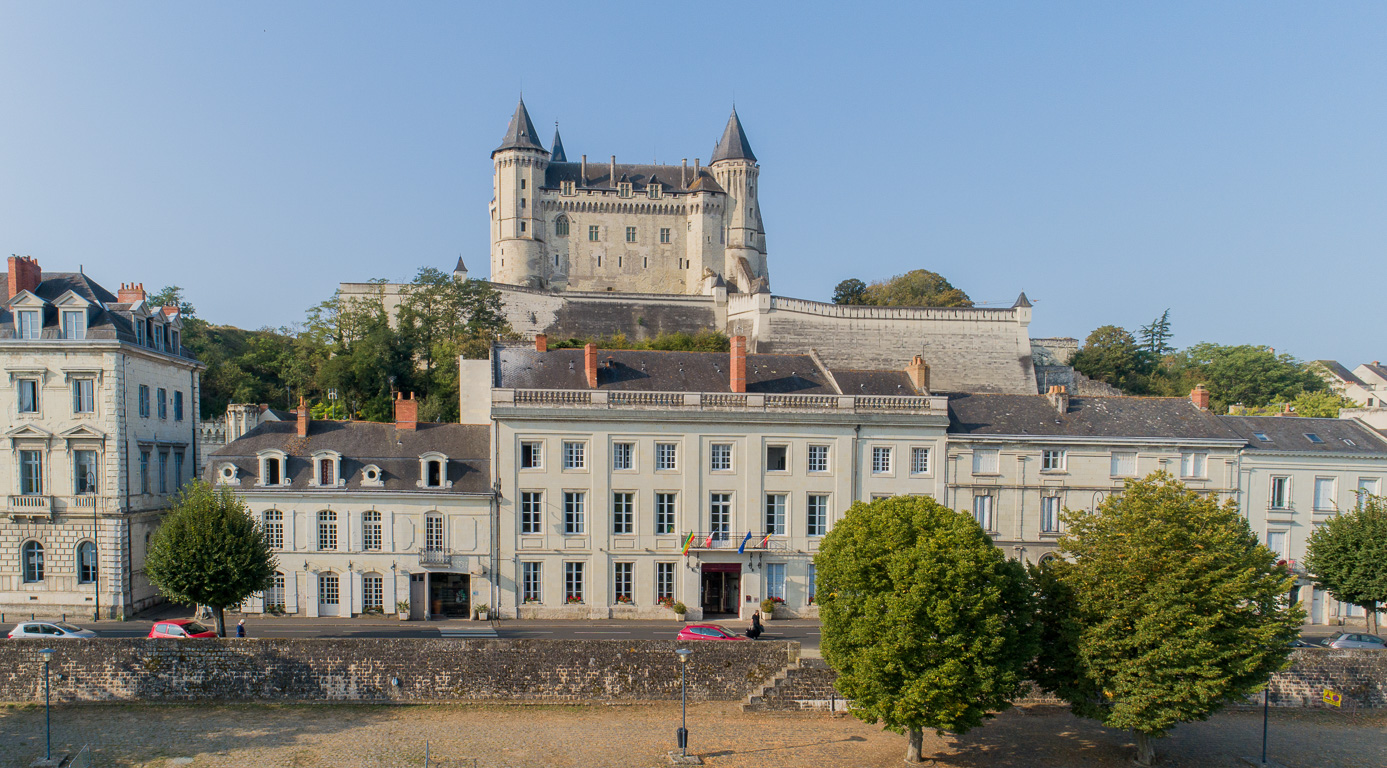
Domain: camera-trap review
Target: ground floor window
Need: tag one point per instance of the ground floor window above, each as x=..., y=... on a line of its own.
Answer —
x=372, y=592
x=531, y=575
x=573, y=586
x=775, y=581
x=274, y=596
x=327, y=589
x=86, y=562
x=664, y=581
x=810, y=578
x=33, y=562
x=623, y=577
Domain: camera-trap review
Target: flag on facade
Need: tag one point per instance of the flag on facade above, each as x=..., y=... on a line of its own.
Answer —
x=709, y=543
x=688, y=543
x=742, y=548
x=765, y=541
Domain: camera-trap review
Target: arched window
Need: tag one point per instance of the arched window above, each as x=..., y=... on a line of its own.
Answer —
x=1048, y=557
x=274, y=596
x=33, y=562
x=327, y=530
x=86, y=562
x=372, y=592
x=274, y=528
x=561, y=226
x=433, y=532
x=370, y=530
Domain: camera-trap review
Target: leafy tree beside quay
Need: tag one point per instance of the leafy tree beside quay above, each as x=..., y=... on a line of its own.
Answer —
x=1348, y=556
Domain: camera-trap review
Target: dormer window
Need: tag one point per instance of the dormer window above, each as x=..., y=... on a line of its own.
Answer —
x=74, y=324
x=327, y=472
x=624, y=189
x=274, y=468
x=139, y=331
x=653, y=191
x=226, y=474
x=158, y=336
x=30, y=323
x=327, y=469
x=433, y=470
x=371, y=476
x=566, y=188
x=175, y=342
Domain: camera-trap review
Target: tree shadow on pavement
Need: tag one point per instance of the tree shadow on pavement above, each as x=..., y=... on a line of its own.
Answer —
x=780, y=747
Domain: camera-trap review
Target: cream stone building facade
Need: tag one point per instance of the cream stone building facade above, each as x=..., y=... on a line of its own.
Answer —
x=366, y=517
x=101, y=423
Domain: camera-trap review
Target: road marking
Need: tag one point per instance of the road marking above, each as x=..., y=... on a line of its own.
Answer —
x=600, y=633
x=468, y=632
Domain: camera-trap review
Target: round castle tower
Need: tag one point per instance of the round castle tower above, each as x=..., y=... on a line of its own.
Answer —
x=517, y=240
x=735, y=168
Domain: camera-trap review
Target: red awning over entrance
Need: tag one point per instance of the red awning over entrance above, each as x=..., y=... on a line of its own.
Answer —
x=722, y=567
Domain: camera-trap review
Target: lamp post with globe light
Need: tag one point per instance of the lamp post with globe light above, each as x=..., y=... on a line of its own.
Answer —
x=683, y=733
x=47, y=655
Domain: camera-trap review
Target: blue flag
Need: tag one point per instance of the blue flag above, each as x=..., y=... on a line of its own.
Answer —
x=742, y=548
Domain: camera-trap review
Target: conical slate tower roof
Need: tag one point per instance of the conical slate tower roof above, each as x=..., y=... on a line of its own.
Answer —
x=734, y=144
x=556, y=154
x=521, y=133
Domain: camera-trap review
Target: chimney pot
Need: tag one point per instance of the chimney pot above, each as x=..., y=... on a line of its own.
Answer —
x=25, y=274
x=406, y=411
x=1059, y=397
x=303, y=417
x=541, y=342
x=590, y=364
x=1200, y=397
x=918, y=372
x=737, y=374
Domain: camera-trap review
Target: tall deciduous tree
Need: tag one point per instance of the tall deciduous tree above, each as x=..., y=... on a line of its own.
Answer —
x=1165, y=610
x=1348, y=555
x=925, y=620
x=916, y=288
x=209, y=551
x=851, y=291
x=1111, y=355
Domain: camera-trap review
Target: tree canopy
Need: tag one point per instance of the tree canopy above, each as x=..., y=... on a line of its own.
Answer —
x=1164, y=609
x=209, y=551
x=916, y=288
x=925, y=620
x=1111, y=355
x=851, y=291
x=1348, y=556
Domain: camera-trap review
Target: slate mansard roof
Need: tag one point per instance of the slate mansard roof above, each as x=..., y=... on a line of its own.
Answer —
x=1173, y=418
x=395, y=451
x=671, y=178
x=1290, y=434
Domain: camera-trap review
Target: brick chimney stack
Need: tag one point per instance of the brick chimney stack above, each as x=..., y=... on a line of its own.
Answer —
x=130, y=293
x=738, y=368
x=303, y=417
x=25, y=274
x=1200, y=397
x=406, y=411
x=1059, y=397
x=541, y=342
x=590, y=364
x=919, y=374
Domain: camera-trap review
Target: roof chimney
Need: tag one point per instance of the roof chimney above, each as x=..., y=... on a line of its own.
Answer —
x=25, y=274
x=684, y=174
x=303, y=417
x=1200, y=397
x=1059, y=397
x=919, y=374
x=583, y=174
x=130, y=293
x=590, y=364
x=613, y=171
x=406, y=411
x=738, y=372
x=541, y=342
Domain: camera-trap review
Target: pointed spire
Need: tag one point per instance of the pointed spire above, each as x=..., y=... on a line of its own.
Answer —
x=521, y=133
x=734, y=144
x=1021, y=301
x=556, y=155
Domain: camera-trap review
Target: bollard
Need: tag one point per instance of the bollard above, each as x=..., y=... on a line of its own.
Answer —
x=31, y=617
x=832, y=701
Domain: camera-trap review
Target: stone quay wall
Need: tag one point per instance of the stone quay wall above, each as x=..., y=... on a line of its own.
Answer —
x=386, y=670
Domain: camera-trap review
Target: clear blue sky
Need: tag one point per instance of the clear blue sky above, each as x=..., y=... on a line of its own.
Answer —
x=1226, y=160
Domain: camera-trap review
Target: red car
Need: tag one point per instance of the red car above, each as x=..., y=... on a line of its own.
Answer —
x=180, y=629
x=706, y=632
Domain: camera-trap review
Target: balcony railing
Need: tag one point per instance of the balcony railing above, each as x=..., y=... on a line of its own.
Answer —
x=435, y=556
x=31, y=503
x=732, y=541
x=716, y=401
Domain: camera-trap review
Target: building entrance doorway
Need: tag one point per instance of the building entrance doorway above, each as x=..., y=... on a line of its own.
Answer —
x=418, y=596
x=450, y=594
x=721, y=588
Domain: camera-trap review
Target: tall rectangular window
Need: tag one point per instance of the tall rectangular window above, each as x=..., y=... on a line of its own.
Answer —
x=29, y=325
x=630, y=234
x=1324, y=493
x=86, y=563
x=532, y=455
x=1194, y=464
x=623, y=582
x=371, y=530
x=664, y=581
x=273, y=522
x=667, y=456
x=177, y=469
x=144, y=471
x=372, y=592
x=719, y=514
x=1280, y=492
x=531, y=581
x=574, y=587
x=74, y=324
x=818, y=458
x=919, y=461
x=573, y=518
x=777, y=458
x=775, y=581
x=623, y=456
x=327, y=531
x=1368, y=486
x=177, y=405
x=1050, y=514
x=594, y=233
x=985, y=461
x=810, y=583
x=982, y=511
x=84, y=472
x=816, y=513
x=144, y=400
x=1051, y=460
x=83, y=395
x=881, y=460
x=775, y=514
x=623, y=512
x=1276, y=542
x=531, y=511
x=664, y=235
x=163, y=401
x=664, y=512
x=720, y=457
x=31, y=472
x=28, y=395
x=574, y=455
x=1124, y=463
x=163, y=471
x=158, y=337
x=433, y=533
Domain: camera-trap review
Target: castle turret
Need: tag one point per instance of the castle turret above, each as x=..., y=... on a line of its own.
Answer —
x=735, y=168
x=518, y=230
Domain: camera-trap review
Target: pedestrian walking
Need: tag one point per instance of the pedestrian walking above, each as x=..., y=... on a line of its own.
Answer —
x=241, y=628
x=756, y=629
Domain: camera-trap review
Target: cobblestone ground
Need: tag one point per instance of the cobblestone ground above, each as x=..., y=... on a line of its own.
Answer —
x=509, y=736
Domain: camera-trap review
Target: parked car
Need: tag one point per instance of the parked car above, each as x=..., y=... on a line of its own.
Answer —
x=49, y=630
x=1356, y=640
x=706, y=632
x=180, y=629
x=1301, y=642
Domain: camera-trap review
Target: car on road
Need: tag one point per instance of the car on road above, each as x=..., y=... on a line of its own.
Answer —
x=180, y=629
x=706, y=632
x=1301, y=642
x=50, y=630
x=1356, y=640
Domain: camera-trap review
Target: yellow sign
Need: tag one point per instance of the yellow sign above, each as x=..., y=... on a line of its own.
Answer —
x=1335, y=699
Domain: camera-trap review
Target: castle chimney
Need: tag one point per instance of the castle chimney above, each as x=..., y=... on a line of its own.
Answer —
x=303, y=417
x=696, y=169
x=1059, y=398
x=919, y=374
x=738, y=368
x=1200, y=397
x=541, y=342
x=130, y=293
x=583, y=174
x=684, y=174
x=25, y=274
x=613, y=171
x=590, y=364
x=406, y=411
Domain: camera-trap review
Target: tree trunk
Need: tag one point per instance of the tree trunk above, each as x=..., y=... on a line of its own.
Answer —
x=1146, y=749
x=220, y=619
x=915, y=738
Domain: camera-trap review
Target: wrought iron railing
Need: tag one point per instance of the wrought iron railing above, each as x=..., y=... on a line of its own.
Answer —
x=435, y=556
x=736, y=540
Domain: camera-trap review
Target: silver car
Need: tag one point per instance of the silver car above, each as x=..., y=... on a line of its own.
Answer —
x=50, y=630
x=1356, y=640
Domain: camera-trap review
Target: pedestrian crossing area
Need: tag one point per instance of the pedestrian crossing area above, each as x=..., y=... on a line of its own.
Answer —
x=483, y=632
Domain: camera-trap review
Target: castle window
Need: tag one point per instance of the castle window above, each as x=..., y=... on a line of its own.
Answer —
x=566, y=188
x=593, y=232
x=653, y=191
x=664, y=235
x=522, y=226
x=522, y=202
x=561, y=226
x=522, y=186
x=645, y=262
x=624, y=189
x=630, y=234
x=599, y=259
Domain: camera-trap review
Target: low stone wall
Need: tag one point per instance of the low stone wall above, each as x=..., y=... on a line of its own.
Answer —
x=359, y=669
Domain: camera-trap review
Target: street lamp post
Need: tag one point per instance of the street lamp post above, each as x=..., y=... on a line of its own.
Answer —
x=47, y=654
x=683, y=734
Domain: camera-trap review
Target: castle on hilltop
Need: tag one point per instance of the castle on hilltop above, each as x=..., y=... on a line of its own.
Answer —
x=561, y=225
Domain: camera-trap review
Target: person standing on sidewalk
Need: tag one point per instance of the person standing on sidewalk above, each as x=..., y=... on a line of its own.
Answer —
x=241, y=628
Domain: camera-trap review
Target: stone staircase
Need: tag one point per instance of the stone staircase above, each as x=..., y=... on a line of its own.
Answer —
x=803, y=685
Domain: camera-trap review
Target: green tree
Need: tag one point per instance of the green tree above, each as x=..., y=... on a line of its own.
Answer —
x=925, y=620
x=1249, y=374
x=850, y=291
x=1165, y=609
x=209, y=551
x=1111, y=355
x=1348, y=555
x=1155, y=338
x=1323, y=404
x=916, y=288
x=172, y=296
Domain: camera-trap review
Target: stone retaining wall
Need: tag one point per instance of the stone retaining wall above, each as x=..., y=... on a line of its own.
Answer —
x=359, y=669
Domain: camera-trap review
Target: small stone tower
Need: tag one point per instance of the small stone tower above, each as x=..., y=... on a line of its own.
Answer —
x=517, y=224
x=734, y=166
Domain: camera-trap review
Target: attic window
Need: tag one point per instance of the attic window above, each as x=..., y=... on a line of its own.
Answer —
x=624, y=189
x=1314, y=438
x=566, y=188
x=435, y=476
x=1262, y=436
x=1348, y=441
x=653, y=191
